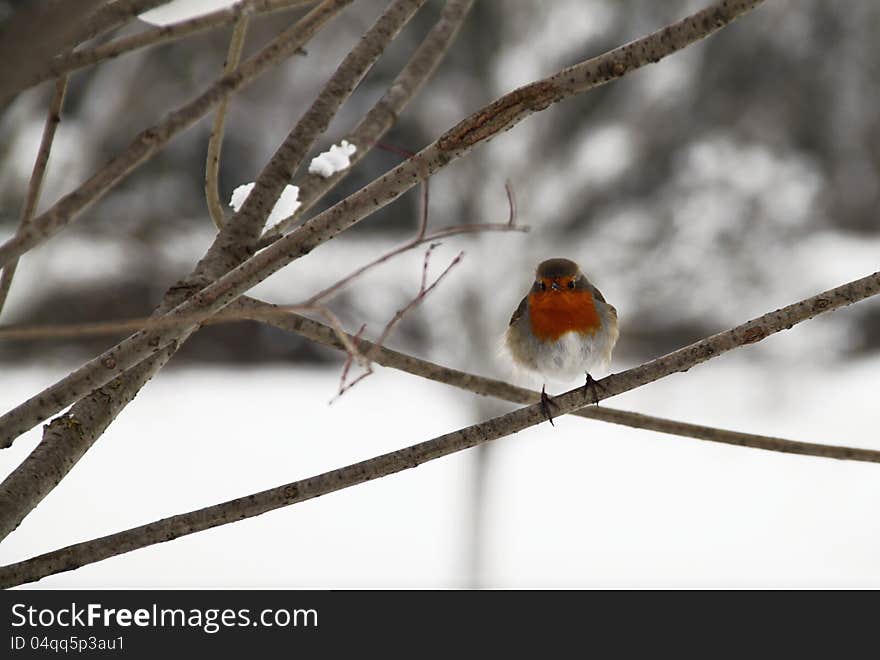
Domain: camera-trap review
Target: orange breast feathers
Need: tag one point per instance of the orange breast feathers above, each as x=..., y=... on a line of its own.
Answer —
x=553, y=313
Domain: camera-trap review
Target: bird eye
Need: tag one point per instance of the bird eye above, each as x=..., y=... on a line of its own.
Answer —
x=543, y=285
x=571, y=284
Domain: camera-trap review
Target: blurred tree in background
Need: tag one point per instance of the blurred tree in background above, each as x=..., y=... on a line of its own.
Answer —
x=681, y=189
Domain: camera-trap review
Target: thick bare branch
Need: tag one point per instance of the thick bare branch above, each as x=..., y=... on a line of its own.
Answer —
x=384, y=114
x=35, y=185
x=65, y=440
x=498, y=116
x=85, y=57
x=116, y=14
x=215, y=142
x=247, y=224
x=255, y=504
x=40, y=31
x=505, y=113
x=151, y=140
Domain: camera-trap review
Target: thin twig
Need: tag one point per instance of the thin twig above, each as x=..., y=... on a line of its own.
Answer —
x=255, y=504
x=482, y=125
x=350, y=357
x=215, y=142
x=35, y=186
x=511, y=202
x=424, y=290
x=416, y=242
x=150, y=141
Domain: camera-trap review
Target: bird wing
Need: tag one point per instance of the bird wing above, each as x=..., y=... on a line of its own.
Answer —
x=518, y=314
x=598, y=296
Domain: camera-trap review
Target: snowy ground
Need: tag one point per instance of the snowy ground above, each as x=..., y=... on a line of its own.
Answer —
x=583, y=505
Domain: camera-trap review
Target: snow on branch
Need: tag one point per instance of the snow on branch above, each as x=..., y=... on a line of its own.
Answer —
x=336, y=159
x=286, y=205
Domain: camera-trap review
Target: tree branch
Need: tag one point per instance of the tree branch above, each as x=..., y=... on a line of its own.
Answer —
x=96, y=411
x=66, y=439
x=247, y=224
x=284, y=318
x=424, y=290
x=36, y=183
x=318, y=332
x=151, y=140
x=255, y=504
x=482, y=125
x=215, y=142
x=383, y=115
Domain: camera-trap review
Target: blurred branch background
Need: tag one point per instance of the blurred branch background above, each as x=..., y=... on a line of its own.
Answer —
x=737, y=162
x=696, y=193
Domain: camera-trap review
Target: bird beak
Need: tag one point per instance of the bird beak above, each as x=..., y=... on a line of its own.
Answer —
x=555, y=286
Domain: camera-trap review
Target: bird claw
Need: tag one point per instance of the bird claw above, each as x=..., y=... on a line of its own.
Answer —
x=592, y=385
x=546, y=404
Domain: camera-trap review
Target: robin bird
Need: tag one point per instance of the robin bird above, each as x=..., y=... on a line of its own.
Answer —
x=562, y=328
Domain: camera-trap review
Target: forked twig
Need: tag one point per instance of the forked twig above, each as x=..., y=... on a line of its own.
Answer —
x=367, y=360
x=288, y=157
x=424, y=290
